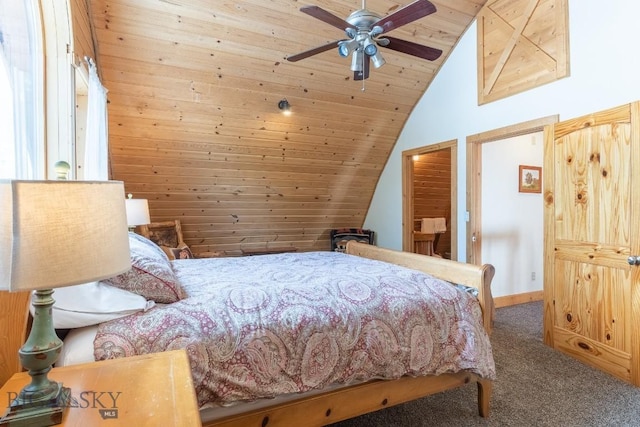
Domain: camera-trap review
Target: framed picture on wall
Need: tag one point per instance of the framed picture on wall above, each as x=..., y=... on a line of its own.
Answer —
x=530, y=179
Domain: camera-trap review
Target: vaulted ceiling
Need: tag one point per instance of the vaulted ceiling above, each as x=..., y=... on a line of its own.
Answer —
x=194, y=124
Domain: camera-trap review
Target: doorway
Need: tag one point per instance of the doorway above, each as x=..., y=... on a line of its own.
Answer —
x=474, y=177
x=512, y=238
x=448, y=202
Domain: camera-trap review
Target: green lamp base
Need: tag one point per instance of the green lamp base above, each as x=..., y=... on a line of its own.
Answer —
x=38, y=414
x=41, y=402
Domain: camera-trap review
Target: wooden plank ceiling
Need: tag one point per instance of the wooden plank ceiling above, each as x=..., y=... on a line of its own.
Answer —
x=193, y=88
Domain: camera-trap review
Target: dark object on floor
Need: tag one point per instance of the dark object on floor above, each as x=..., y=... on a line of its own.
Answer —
x=340, y=237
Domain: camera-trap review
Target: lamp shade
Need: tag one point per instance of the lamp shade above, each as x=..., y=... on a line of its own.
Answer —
x=61, y=233
x=137, y=212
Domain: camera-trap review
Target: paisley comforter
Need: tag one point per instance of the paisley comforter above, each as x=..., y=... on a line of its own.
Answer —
x=262, y=326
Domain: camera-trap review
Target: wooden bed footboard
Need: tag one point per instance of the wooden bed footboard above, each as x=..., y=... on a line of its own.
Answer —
x=344, y=403
x=477, y=276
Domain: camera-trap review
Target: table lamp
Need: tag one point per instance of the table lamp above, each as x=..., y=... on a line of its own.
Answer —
x=137, y=212
x=55, y=234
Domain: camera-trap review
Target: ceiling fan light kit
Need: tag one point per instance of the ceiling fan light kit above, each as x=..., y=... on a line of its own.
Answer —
x=369, y=47
x=357, y=61
x=378, y=60
x=362, y=29
x=346, y=47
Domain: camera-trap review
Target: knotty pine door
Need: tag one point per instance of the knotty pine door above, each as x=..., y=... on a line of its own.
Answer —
x=591, y=179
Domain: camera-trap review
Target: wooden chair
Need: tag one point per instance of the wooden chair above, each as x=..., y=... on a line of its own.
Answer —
x=168, y=234
x=423, y=243
x=165, y=233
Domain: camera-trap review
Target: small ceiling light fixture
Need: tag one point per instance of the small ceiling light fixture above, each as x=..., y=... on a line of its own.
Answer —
x=416, y=157
x=285, y=107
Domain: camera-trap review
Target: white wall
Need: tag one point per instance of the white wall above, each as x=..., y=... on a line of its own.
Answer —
x=605, y=72
x=512, y=222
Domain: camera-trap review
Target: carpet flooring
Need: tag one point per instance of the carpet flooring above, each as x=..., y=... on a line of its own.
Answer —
x=535, y=386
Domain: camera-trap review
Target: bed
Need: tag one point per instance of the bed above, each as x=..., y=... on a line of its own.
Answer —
x=308, y=382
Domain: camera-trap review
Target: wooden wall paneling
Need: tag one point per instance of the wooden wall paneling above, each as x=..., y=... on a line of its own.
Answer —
x=197, y=113
x=280, y=156
x=311, y=147
x=15, y=307
x=147, y=95
x=82, y=47
x=410, y=181
x=185, y=37
x=432, y=191
x=233, y=131
x=193, y=88
x=252, y=154
x=297, y=167
x=522, y=44
x=205, y=74
x=81, y=27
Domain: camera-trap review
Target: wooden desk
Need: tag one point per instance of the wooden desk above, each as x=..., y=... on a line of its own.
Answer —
x=149, y=390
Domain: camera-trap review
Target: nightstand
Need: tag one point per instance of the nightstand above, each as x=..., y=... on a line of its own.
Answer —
x=148, y=390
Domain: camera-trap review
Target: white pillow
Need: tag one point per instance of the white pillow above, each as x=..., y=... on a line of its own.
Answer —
x=93, y=303
x=78, y=346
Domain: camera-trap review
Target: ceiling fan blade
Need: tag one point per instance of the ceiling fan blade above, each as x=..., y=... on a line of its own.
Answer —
x=314, y=51
x=328, y=17
x=364, y=74
x=415, y=49
x=405, y=15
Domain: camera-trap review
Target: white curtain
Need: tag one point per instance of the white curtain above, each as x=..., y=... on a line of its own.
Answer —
x=96, y=154
x=19, y=141
x=7, y=141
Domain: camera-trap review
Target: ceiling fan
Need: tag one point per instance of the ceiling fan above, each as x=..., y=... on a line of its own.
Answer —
x=364, y=28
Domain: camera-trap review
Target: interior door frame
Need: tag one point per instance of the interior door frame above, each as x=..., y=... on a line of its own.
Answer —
x=407, y=193
x=474, y=177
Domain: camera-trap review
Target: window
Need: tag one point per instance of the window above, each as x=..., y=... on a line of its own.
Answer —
x=59, y=87
x=82, y=102
x=21, y=91
x=35, y=36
